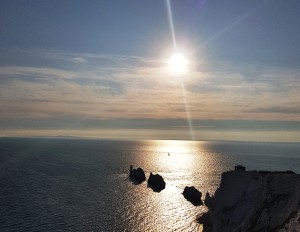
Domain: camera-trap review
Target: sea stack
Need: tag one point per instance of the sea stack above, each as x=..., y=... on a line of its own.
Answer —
x=252, y=201
x=137, y=175
x=156, y=182
x=193, y=195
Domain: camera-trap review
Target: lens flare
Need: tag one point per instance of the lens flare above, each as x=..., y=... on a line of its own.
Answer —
x=178, y=65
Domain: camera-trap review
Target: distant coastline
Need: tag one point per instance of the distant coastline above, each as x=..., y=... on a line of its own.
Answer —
x=141, y=140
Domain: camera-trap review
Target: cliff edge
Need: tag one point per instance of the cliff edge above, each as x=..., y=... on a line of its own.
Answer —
x=252, y=201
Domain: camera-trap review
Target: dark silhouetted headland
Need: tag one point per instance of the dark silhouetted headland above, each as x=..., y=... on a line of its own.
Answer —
x=252, y=201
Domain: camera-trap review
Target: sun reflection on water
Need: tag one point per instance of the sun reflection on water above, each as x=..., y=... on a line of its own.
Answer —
x=174, y=146
x=175, y=155
x=175, y=161
x=181, y=164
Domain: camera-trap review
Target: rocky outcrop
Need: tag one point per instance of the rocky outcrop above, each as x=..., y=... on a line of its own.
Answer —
x=252, y=201
x=208, y=200
x=293, y=225
x=192, y=195
x=137, y=175
x=156, y=182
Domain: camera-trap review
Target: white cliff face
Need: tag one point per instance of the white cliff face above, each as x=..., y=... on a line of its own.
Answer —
x=293, y=225
x=254, y=201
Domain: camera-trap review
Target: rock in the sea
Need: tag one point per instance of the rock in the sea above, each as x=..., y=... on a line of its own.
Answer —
x=193, y=195
x=137, y=175
x=208, y=200
x=253, y=201
x=156, y=182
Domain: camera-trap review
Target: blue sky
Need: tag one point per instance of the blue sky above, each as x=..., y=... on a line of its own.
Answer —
x=99, y=69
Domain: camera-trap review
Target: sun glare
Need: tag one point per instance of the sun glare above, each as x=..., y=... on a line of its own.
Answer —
x=178, y=64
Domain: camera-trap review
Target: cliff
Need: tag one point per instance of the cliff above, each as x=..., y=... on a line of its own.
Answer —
x=252, y=201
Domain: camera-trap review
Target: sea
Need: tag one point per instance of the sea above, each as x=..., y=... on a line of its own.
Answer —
x=71, y=184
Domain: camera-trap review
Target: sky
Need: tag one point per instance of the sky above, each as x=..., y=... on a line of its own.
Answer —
x=100, y=69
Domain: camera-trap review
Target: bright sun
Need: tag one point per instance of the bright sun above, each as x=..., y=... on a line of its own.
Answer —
x=178, y=64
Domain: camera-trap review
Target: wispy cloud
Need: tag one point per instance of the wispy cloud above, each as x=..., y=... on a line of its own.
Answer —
x=92, y=86
x=79, y=59
x=277, y=109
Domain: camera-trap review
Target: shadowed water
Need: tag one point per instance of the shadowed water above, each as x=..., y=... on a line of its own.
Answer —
x=82, y=185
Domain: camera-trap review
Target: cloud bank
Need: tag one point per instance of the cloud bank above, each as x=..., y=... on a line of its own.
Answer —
x=54, y=86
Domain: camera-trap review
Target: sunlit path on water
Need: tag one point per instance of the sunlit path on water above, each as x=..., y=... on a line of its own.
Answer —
x=179, y=164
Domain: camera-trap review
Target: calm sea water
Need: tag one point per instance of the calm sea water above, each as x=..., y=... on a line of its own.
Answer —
x=82, y=185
